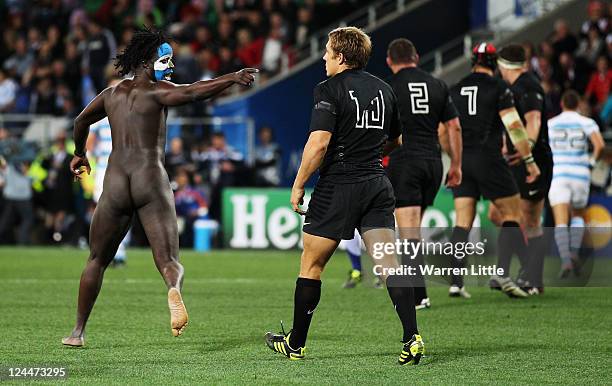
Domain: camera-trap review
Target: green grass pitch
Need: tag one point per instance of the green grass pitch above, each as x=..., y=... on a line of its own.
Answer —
x=234, y=297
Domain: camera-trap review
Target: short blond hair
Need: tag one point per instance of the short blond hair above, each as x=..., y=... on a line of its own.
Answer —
x=354, y=44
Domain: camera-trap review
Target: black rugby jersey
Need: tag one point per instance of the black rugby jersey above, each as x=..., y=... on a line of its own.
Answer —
x=479, y=98
x=529, y=96
x=360, y=111
x=424, y=102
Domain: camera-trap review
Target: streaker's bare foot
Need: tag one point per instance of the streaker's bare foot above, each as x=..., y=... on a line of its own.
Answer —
x=178, y=312
x=74, y=341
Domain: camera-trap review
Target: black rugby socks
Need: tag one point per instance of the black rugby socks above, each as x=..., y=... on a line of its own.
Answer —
x=509, y=242
x=307, y=296
x=460, y=235
x=402, y=297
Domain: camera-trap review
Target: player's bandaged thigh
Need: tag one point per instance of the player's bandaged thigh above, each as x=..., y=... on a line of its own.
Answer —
x=512, y=122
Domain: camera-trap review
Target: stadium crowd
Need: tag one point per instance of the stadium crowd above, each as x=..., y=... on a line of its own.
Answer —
x=56, y=55
x=578, y=60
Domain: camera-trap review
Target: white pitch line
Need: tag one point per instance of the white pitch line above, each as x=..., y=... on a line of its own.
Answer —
x=238, y=280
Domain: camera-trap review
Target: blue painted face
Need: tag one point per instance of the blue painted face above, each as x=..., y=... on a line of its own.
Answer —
x=163, y=65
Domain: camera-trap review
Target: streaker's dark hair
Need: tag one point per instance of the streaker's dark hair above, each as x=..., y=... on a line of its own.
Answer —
x=141, y=48
x=570, y=99
x=402, y=51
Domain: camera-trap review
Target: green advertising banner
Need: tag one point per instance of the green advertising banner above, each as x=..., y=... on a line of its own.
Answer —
x=262, y=217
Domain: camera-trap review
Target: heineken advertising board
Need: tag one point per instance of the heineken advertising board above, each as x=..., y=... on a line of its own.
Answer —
x=263, y=218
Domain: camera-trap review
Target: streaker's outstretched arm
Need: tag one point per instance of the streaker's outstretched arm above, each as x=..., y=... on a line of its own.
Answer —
x=170, y=94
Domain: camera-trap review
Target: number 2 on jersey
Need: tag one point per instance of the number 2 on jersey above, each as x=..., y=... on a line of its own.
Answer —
x=419, y=98
x=471, y=92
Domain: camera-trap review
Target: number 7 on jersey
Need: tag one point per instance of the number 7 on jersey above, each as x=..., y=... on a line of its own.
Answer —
x=471, y=92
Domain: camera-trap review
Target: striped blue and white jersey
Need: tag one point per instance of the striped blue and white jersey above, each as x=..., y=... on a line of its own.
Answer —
x=569, y=134
x=104, y=143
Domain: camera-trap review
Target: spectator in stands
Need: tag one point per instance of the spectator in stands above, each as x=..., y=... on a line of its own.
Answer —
x=177, y=158
x=17, y=192
x=203, y=39
x=8, y=92
x=227, y=61
x=101, y=48
x=21, y=61
x=552, y=90
x=272, y=52
x=546, y=50
x=544, y=68
x=186, y=68
x=591, y=47
x=58, y=188
x=563, y=41
x=267, y=159
x=122, y=14
x=599, y=84
x=597, y=19
x=65, y=102
x=207, y=62
x=54, y=39
x=43, y=99
x=221, y=163
x=530, y=55
x=34, y=39
x=249, y=51
x=148, y=14
x=606, y=113
x=190, y=205
x=277, y=22
x=608, y=48
x=565, y=76
x=72, y=60
x=256, y=24
x=225, y=32
x=304, y=27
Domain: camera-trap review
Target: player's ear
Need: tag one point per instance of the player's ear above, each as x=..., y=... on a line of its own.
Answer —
x=341, y=58
x=416, y=58
x=389, y=63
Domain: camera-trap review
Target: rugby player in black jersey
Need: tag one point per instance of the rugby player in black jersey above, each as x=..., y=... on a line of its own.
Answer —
x=486, y=107
x=415, y=169
x=354, y=122
x=529, y=102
